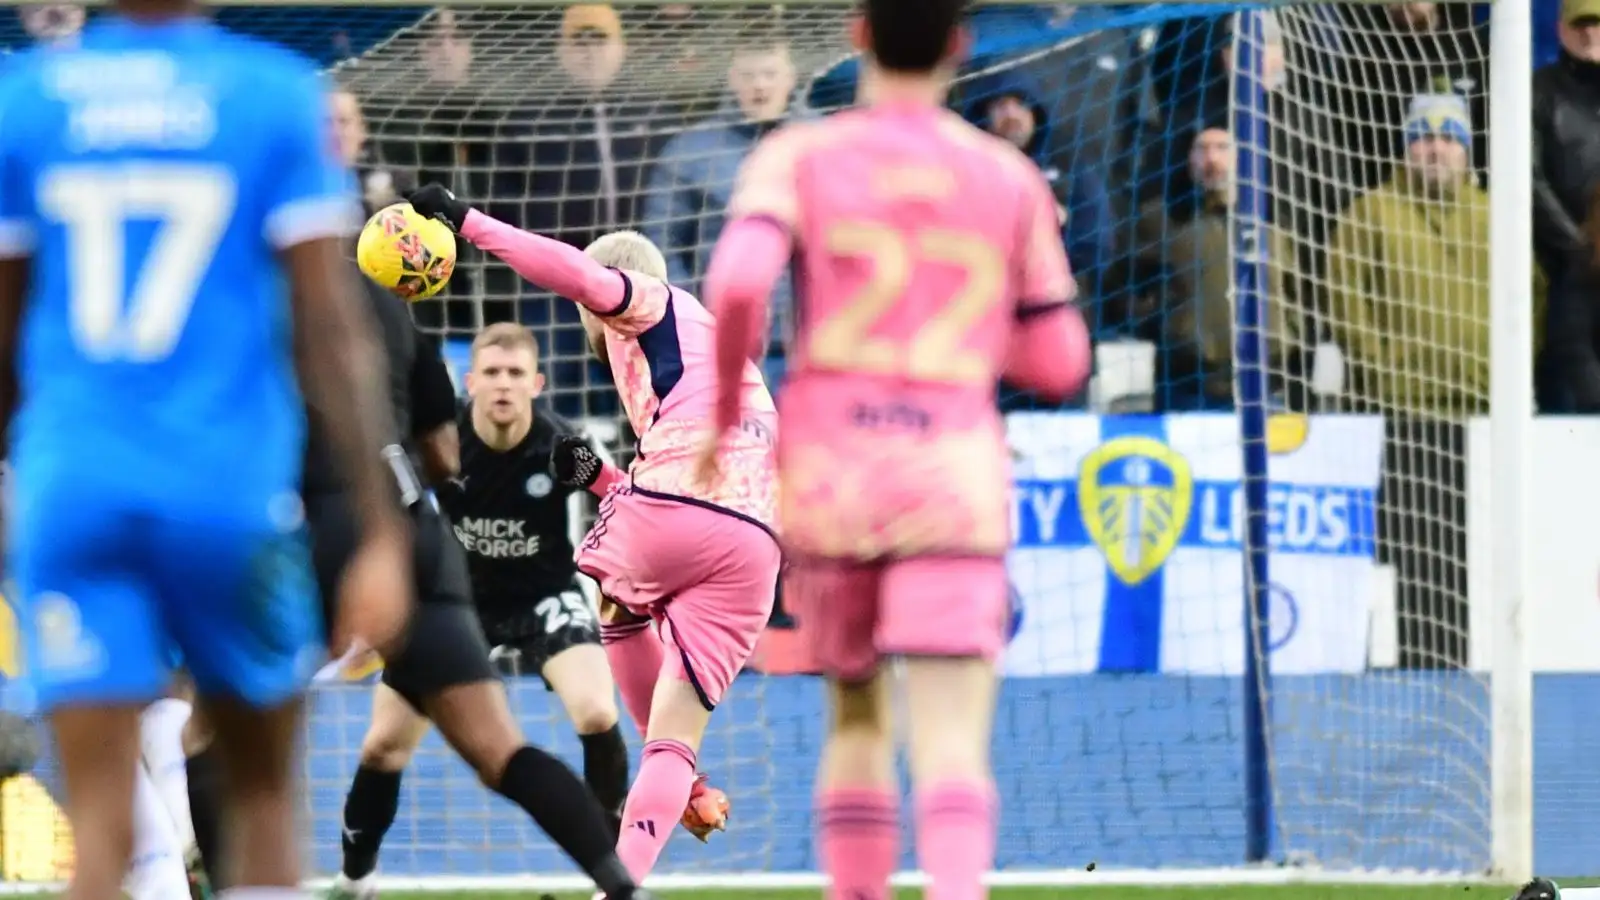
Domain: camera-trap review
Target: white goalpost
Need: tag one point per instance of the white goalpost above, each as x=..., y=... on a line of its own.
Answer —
x=1283, y=662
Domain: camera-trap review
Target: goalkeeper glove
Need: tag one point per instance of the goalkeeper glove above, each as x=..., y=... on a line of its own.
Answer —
x=574, y=462
x=433, y=201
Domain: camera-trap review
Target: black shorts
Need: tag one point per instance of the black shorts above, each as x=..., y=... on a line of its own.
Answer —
x=444, y=644
x=526, y=636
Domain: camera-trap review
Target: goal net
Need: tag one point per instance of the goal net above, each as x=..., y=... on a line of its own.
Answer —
x=1241, y=561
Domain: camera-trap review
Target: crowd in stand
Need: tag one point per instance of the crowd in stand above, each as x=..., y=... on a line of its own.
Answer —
x=1372, y=166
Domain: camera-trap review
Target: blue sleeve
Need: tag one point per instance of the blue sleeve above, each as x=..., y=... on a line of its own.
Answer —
x=16, y=198
x=313, y=195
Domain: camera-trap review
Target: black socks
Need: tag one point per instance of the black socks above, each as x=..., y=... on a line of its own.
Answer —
x=205, y=810
x=369, y=810
x=605, y=768
x=565, y=809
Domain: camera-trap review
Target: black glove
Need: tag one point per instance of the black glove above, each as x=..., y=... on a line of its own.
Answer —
x=574, y=463
x=433, y=201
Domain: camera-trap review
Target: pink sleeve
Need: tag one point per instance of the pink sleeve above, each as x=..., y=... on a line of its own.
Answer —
x=1045, y=277
x=628, y=300
x=608, y=477
x=748, y=262
x=1050, y=352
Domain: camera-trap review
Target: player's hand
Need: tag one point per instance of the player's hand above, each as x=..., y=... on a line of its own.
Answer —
x=375, y=593
x=574, y=462
x=707, y=466
x=435, y=202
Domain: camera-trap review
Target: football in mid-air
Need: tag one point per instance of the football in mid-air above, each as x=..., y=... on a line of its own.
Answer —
x=407, y=253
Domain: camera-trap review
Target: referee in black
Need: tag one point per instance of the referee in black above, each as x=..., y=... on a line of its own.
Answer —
x=514, y=520
x=442, y=673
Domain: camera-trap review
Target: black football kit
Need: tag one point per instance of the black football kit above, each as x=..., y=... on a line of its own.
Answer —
x=444, y=646
x=514, y=521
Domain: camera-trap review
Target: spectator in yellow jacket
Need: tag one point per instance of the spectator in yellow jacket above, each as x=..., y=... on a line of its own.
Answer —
x=1408, y=271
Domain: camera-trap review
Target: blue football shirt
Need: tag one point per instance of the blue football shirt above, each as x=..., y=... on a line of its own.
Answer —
x=153, y=173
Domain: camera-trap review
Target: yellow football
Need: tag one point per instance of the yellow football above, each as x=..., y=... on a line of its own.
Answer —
x=407, y=253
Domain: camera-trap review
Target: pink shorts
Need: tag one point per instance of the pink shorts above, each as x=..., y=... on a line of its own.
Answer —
x=857, y=613
x=708, y=578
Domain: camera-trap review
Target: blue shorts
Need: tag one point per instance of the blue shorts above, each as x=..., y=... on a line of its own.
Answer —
x=106, y=594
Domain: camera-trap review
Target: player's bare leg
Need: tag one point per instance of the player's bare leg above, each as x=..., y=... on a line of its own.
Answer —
x=99, y=751
x=637, y=657
x=393, y=735
x=580, y=676
x=857, y=804
x=950, y=707
x=475, y=720
x=256, y=752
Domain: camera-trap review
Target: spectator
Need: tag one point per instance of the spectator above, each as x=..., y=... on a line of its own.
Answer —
x=574, y=160
x=690, y=185
x=379, y=184
x=1007, y=105
x=1409, y=274
x=571, y=166
x=1193, y=74
x=1194, y=313
x=1566, y=134
x=437, y=128
x=1390, y=53
x=1568, y=374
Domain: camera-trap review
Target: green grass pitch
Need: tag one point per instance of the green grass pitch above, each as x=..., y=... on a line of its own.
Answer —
x=1218, y=892
x=1223, y=892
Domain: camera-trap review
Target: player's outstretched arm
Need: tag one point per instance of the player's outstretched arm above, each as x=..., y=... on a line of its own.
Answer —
x=555, y=266
x=749, y=260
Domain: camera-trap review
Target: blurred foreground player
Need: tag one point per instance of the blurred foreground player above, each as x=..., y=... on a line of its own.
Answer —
x=702, y=563
x=442, y=675
x=145, y=307
x=931, y=260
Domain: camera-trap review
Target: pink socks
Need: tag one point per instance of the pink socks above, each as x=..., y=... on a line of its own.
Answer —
x=635, y=653
x=655, y=805
x=956, y=838
x=858, y=838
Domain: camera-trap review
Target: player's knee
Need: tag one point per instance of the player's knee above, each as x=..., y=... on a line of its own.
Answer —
x=386, y=751
x=861, y=708
x=592, y=712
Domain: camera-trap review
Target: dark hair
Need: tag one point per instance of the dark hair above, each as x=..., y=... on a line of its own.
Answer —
x=911, y=35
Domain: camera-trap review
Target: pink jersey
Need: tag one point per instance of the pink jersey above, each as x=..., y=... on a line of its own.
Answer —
x=923, y=246
x=660, y=343
x=667, y=388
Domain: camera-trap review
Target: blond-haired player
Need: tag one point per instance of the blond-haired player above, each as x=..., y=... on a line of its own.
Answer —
x=930, y=261
x=700, y=560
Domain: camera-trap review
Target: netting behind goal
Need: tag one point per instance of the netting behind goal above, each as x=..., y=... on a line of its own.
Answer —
x=1326, y=165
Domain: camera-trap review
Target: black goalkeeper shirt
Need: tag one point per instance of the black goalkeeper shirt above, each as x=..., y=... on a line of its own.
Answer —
x=421, y=396
x=511, y=515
